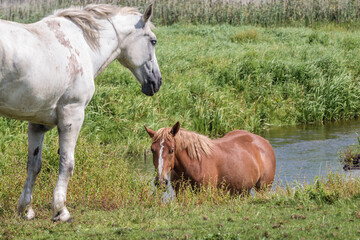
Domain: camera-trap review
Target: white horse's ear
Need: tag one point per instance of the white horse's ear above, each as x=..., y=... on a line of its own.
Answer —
x=175, y=129
x=148, y=13
x=150, y=132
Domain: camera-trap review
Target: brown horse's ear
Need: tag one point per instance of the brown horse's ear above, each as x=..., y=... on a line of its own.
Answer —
x=175, y=129
x=148, y=13
x=150, y=132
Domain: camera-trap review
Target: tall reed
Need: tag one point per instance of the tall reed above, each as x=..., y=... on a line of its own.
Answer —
x=236, y=12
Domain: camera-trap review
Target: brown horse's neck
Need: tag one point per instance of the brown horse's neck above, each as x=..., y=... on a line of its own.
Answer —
x=189, y=168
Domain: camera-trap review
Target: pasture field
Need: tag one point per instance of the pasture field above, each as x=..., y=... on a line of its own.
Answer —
x=216, y=79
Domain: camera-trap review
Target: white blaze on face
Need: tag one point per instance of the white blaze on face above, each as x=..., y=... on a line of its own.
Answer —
x=161, y=160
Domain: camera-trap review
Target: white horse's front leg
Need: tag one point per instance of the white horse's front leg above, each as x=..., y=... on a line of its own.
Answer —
x=70, y=121
x=36, y=134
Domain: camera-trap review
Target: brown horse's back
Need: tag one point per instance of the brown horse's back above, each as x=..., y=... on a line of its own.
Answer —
x=243, y=160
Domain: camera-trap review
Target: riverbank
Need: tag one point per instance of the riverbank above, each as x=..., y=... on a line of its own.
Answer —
x=328, y=209
x=109, y=199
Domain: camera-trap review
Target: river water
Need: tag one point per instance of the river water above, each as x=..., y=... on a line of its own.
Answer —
x=303, y=152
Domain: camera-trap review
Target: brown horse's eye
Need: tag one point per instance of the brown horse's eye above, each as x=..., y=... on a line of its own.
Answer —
x=152, y=150
x=171, y=151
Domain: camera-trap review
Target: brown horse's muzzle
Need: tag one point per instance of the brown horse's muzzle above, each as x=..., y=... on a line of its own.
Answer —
x=161, y=182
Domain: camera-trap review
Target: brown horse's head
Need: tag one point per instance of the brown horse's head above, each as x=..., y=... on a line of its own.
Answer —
x=163, y=150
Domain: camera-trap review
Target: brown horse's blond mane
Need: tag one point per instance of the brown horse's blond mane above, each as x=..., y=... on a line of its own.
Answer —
x=196, y=145
x=85, y=18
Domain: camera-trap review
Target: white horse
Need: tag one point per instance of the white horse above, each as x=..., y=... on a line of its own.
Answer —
x=47, y=72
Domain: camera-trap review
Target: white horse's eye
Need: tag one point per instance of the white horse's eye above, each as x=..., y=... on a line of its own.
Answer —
x=153, y=42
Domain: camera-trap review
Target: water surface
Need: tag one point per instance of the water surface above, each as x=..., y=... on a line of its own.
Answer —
x=303, y=152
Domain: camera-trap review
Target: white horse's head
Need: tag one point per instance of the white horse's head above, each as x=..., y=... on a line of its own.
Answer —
x=138, y=53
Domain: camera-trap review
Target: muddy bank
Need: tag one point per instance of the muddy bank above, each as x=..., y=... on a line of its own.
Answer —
x=352, y=163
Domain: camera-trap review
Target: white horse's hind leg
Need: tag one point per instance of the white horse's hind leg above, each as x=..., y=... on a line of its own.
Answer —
x=36, y=134
x=70, y=121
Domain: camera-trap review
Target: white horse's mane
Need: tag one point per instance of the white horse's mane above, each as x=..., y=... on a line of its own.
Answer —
x=85, y=18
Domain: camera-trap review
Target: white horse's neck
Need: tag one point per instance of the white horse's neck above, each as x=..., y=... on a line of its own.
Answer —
x=110, y=38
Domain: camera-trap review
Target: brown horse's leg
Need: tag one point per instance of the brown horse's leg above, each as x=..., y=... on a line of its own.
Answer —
x=263, y=186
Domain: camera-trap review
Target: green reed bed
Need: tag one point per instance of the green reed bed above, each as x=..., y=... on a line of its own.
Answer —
x=237, y=12
x=220, y=78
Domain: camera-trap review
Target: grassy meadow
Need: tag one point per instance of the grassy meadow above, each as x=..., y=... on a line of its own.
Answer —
x=216, y=78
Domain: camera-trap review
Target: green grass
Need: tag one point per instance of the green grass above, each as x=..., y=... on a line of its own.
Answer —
x=327, y=209
x=255, y=221
x=214, y=84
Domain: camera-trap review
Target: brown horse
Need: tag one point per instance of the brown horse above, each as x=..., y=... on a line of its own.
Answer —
x=240, y=160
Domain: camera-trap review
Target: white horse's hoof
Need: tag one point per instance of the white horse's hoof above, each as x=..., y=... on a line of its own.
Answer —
x=30, y=214
x=23, y=203
x=27, y=215
x=63, y=216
